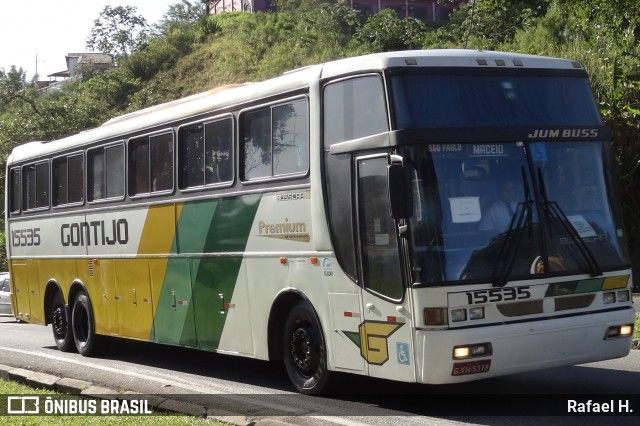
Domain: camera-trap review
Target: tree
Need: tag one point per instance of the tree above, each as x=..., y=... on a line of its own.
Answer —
x=118, y=31
x=14, y=86
x=12, y=81
x=185, y=12
x=387, y=31
x=487, y=24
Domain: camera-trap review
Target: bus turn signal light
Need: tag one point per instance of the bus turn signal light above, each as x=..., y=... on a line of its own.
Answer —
x=435, y=316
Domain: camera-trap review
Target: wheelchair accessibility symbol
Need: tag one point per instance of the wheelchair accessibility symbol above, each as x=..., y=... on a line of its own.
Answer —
x=538, y=152
x=403, y=353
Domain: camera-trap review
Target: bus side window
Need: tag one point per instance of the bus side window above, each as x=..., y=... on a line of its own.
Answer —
x=105, y=173
x=354, y=108
x=36, y=186
x=75, y=172
x=60, y=182
x=256, y=154
x=218, y=151
x=68, y=182
x=14, y=190
x=290, y=135
x=139, y=166
x=161, y=152
x=191, y=156
x=205, y=154
x=151, y=164
x=275, y=140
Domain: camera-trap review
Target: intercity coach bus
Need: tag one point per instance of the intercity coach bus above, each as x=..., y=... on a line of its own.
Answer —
x=421, y=216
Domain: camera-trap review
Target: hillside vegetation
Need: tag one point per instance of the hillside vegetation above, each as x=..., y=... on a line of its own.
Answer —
x=188, y=53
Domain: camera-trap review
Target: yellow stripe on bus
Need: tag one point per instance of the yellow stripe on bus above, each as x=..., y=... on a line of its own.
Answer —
x=619, y=281
x=157, y=238
x=159, y=230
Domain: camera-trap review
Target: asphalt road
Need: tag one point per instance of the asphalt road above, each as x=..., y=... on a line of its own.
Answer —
x=260, y=389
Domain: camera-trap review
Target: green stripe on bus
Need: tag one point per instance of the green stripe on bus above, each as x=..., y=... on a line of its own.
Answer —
x=189, y=310
x=229, y=232
x=173, y=321
x=590, y=285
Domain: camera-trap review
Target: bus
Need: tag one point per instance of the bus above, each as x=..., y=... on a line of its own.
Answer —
x=433, y=216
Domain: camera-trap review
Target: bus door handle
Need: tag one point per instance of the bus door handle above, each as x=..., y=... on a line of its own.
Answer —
x=221, y=303
x=135, y=298
x=173, y=295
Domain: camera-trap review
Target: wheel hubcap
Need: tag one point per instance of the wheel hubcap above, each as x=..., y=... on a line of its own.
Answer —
x=302, y=351
x=60, y=322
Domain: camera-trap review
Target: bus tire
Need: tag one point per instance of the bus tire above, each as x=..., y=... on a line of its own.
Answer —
x=305, y=354
x=60, y=324
x=83, y=325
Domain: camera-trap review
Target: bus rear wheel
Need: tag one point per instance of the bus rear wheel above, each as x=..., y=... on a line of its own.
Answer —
x=60, y=324
x=305, y=355
x=83, y=325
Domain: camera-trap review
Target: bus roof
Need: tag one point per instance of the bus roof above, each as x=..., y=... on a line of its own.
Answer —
x=445, y=58
x=227, y=96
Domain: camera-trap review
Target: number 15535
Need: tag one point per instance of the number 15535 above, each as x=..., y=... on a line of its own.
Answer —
x=25, y=237
x=494, y=295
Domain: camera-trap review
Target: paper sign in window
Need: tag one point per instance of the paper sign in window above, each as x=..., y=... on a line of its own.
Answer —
x=465, y=209
x=581, y=226
x=382, y=239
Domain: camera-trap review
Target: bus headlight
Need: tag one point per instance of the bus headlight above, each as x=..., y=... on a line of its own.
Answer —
x=609, y=297
x=458, y=315
x=623, y=295
x=472, y=351
x=615, y=331
x=476, y=313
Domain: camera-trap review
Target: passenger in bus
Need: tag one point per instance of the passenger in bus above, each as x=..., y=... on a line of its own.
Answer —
x=162, y=180
x=497, y=216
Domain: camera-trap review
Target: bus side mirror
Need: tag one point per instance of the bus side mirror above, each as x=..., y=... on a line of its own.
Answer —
x=399, y=197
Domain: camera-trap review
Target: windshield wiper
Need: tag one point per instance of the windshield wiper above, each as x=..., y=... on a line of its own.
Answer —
x=553, y=210
x=509, y=250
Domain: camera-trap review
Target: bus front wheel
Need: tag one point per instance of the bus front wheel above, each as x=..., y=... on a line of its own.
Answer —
x=305, y=355
x=83, y=325
x=60, y=324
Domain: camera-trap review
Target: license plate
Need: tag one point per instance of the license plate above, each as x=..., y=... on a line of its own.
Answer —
x=471, y=367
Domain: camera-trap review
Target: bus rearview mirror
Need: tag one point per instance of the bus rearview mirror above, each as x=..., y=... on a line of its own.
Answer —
x=399, y=199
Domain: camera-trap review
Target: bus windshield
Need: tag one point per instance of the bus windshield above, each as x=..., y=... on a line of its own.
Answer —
x=490, y=210
x=495, y=211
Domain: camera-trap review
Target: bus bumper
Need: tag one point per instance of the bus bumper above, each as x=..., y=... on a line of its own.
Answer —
x=516, y=348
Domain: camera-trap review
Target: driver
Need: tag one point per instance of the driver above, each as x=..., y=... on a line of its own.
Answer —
x=497, y=216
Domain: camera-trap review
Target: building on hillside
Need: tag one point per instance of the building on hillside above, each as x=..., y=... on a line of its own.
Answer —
x=79, y=65
x=425, y=10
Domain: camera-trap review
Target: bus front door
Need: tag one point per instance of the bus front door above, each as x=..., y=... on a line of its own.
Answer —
x=385, y=333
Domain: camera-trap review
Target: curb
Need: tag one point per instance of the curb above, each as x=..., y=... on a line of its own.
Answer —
x=70, y=386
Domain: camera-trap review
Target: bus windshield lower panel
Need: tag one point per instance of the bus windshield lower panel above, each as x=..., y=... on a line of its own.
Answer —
x=495, y=212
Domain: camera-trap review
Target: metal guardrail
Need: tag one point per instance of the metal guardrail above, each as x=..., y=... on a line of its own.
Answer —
x=55, y=85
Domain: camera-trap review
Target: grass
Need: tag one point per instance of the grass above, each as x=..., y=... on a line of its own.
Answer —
x=13, y=388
